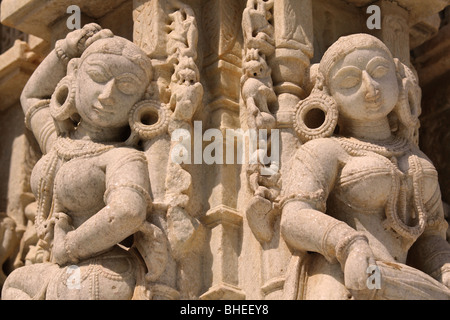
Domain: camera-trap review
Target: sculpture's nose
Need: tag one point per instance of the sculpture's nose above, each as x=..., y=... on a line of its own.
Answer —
x=106, y=97
x=372, y=91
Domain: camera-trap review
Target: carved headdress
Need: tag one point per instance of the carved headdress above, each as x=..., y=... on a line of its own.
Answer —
x=346, y=45
x=121, y=47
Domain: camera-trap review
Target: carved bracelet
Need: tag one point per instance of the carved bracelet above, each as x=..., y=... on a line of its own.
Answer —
x=69, y=252
x=345, y=243
x=33, y=110
x=60, y=53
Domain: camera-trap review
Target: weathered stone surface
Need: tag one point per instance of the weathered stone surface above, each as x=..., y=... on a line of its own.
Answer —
x=212, y=149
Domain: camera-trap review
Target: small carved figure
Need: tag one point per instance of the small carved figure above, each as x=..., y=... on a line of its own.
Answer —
x=259, y=99
x=264, y=179
x=92, y=188
x=182, y=40
x=257, y=92
x=187, y=91
x=362, y=207
x=258, y=26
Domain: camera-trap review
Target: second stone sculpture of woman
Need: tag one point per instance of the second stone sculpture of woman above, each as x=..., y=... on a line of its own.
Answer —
x=362, y=207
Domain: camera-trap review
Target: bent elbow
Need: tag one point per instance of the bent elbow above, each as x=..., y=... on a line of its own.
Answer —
x=126, y=216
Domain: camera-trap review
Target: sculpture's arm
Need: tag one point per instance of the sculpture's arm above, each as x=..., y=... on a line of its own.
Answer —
x=252, y=112
x=126, y=203
x=431, y=252
x=43, y=81
x=304, y=224
x=35, y=99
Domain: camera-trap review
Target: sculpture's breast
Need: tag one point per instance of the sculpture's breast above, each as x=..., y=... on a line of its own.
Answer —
x=365, y=182
x=80, y=185
x=368, y=182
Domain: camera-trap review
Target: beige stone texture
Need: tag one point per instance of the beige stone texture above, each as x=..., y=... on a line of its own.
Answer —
x=117, y=181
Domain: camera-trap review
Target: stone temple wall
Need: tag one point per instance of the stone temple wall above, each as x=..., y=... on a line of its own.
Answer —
x=224, y=225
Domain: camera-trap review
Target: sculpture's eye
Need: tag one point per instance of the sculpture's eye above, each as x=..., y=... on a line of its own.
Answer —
x=379, y=72
x=97, y=75
x=348, y=77
x=350, y=82
x=126, y=87
x=127, y=84
x=378, y=67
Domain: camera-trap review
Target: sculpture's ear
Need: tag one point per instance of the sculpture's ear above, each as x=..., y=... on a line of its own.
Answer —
x=408, y=108
x=72, y=67
x=312, y=80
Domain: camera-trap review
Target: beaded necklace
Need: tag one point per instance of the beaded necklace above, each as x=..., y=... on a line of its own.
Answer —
x=387, y=148
x=396, y=206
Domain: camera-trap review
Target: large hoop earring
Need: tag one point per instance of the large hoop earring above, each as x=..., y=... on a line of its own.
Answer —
x=316, y=116
x=148, y=119
x=408, y=107
x=62, y=102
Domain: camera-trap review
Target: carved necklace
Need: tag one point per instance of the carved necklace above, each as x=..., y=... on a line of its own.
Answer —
x=387, y=148
x=396, y=206
x=69, y=149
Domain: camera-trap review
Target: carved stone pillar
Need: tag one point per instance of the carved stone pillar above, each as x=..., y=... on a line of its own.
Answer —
x=224, y=227
x=394, y=30
x=433, y=67
x=290, y=67
x=222, y=59
x=290, y=63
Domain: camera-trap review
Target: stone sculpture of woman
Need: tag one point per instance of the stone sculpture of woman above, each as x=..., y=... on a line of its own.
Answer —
x=362, y=208
x=92, y=186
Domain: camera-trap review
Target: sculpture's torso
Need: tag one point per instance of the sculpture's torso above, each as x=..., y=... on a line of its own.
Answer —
x=369, y=180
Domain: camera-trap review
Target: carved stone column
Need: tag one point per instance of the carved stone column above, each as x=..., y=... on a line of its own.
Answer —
x=222, y=59
x=433, y=67
x=290, y=63
x=394, y=30
x=290, y=67
x=225, y=228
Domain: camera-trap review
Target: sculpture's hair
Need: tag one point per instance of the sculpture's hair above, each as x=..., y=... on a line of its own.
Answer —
x=121, y=47
x=404, y=118
x=346, y=45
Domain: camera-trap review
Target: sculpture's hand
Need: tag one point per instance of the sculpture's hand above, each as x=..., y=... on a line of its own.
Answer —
x=62, y=227
x=446, y=276
x=78, y=40
x=359, y=259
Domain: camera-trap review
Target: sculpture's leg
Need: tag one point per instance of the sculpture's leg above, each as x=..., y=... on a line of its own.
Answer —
x=28, y=282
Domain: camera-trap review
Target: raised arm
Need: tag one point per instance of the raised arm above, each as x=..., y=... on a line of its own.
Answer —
x=35, y=99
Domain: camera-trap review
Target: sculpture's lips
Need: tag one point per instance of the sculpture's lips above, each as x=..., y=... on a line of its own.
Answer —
x=374, y=101
x=101, y=109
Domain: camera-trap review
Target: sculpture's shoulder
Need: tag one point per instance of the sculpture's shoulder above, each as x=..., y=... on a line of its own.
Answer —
x=126, y=160
x=317, y=161
x=122, y=153
x=322, y=149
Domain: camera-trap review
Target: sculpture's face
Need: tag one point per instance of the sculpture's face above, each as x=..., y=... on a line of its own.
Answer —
x=187, y=76
x=364, y=85
x=108, y=87
x=256, y=68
